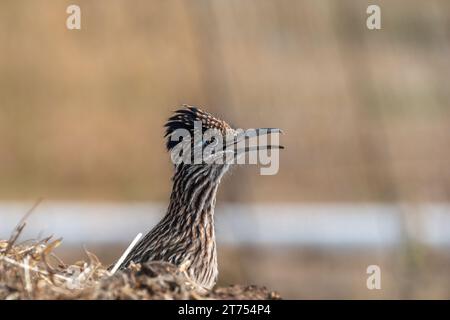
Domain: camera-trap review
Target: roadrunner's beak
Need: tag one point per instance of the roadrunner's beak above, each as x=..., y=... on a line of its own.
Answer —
x=257, y=133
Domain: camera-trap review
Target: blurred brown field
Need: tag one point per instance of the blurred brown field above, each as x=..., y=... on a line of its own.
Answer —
x=366, y=116
x=366, y=113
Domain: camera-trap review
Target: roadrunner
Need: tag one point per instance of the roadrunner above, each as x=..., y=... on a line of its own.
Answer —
x=185, y=235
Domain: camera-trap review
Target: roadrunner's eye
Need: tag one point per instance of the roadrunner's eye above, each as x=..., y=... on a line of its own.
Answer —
x=210, y=142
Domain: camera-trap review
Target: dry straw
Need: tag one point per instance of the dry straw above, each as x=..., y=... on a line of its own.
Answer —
x=31, y=270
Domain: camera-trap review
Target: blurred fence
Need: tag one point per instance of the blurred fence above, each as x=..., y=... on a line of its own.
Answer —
x=292, y=225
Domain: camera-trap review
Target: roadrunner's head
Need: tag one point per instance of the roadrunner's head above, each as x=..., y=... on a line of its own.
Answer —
x=196, y=137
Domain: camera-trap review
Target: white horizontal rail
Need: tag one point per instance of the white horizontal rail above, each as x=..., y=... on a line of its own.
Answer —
x=330, y=225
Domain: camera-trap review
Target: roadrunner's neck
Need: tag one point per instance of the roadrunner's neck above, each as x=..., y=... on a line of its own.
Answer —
x=185, y=235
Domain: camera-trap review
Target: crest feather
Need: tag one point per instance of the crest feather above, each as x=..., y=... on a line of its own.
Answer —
x=185, y=117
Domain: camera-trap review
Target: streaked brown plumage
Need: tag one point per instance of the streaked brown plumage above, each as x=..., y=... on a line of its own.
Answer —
x=185, y=235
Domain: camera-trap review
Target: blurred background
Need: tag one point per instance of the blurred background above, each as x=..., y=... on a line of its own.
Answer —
x=365, y=176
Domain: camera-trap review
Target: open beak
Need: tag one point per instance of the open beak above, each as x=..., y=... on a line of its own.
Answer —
x=256, y=133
